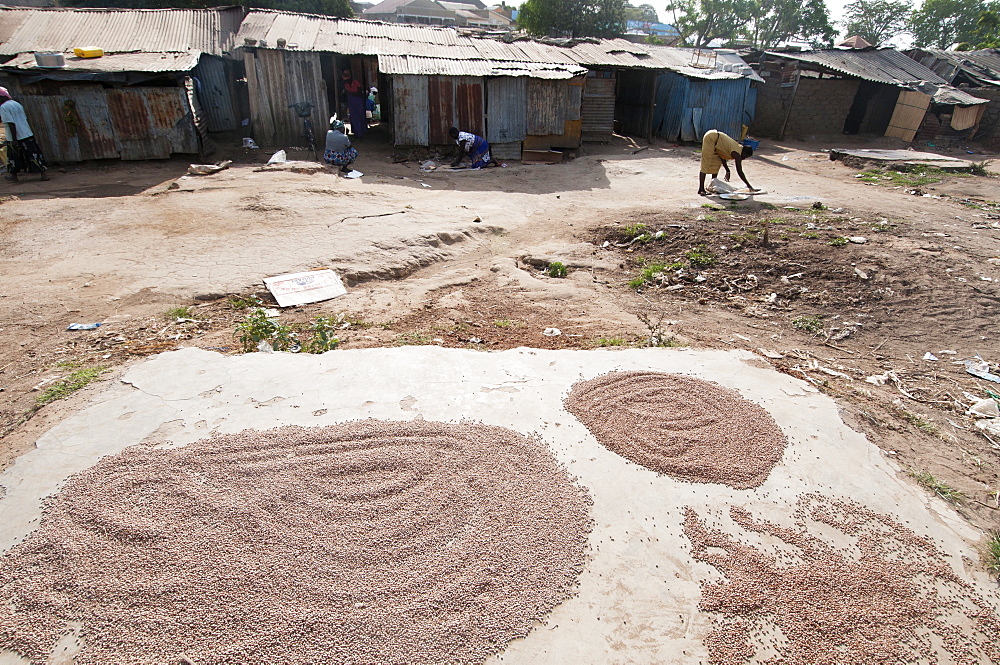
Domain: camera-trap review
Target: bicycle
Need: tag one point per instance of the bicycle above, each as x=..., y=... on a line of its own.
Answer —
x=304, y=111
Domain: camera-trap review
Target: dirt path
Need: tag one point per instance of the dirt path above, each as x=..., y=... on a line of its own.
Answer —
x=457, y=259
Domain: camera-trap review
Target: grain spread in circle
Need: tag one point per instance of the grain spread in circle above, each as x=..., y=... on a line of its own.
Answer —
x=366, y=542
x=876, y=593
x=683, y=427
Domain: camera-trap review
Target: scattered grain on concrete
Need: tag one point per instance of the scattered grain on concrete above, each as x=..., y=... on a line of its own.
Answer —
x=366, y=542
x=680, y=426
x=890, y=596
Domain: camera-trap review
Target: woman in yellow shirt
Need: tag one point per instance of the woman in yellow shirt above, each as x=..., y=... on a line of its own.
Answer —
x=718, y=148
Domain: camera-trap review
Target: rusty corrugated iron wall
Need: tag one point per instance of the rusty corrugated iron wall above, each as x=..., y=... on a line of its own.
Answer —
x=88, y=121
x=410, y=110
x=506, y=101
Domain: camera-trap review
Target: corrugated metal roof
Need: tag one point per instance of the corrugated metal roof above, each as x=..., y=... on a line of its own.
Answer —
x=982, y=66
x=118, y=62
x=119, y=30
x=404, y=64
x=887, y=66
x=427, y=49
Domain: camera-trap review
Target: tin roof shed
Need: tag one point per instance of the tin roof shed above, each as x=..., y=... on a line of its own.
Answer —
x=887, y=66
x=26, y=30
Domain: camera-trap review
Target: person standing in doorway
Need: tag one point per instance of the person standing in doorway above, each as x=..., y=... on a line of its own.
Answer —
x=23, y=154
x=717, y=149
x=355, y=103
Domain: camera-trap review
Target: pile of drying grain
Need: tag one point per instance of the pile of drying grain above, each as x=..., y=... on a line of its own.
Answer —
x=888, y=597
x=680, y=426
x=367, y=542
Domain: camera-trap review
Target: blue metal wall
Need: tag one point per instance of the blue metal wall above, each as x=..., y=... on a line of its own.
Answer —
x=687, y=108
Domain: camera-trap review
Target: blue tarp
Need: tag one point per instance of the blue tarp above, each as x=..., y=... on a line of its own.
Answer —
x=687, y=108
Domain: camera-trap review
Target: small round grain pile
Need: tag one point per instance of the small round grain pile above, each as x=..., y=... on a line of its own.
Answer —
x=888, y=596
x=680, y=426
x=367, y=542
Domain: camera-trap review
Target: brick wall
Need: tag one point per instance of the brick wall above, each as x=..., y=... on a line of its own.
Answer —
x=820, y=106
x=989, y=125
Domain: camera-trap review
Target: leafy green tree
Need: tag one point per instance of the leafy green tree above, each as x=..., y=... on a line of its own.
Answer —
x=876, y=21
x=987, y=32
x=771, y=22
x=646, y=13
x=762, y=23
x=577, y=18
x=941, y=23
x=702, y=21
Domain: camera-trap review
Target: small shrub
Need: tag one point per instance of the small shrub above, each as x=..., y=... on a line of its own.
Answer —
x=67, y=386
x=633, y=230
x=506, y=323
x=650, y=272
x=238, y=302
x=837, y=242
x=809, y=324
x=323, y=338
x=812, y=235
x=699, y=257
x=556, y=269
x=611, y=341
x=979, y=168
x=257, y=328
x=180, y=313
x=946, y=492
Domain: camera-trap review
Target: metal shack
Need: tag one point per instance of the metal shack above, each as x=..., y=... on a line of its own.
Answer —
x=854, y=91
x=163, y=82
x=974, y=71
x=645, y=90
x=428, y=78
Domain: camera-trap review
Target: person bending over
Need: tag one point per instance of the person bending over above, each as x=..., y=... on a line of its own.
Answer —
x=474, y=146
x=717, y=149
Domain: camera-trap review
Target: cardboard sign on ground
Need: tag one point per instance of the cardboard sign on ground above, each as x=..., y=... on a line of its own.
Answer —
x=300, y=288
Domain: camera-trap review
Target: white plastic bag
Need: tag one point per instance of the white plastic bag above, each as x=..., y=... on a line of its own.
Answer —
x=721, y=186
x=277, y=158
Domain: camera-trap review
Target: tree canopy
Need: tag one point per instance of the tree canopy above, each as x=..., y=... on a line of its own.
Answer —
x=758, y=23
x=645, y=13
x=876, y=21
x=573, y=18
x=941, y=23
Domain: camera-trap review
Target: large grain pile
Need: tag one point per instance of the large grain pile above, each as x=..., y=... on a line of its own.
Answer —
x=889, y=597
x=367, y=542
x=680, y=426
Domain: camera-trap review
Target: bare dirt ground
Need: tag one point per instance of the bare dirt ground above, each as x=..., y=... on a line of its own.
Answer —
x=458, y=259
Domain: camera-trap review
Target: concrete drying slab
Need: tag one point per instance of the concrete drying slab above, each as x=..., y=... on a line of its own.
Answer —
x=638, y=595
x=908, y=157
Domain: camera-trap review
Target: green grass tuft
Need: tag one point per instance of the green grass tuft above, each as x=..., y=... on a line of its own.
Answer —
x=810, y=324
x=837, y=242
x=69, y=385
x=946, y=492
x=991, y=552
x=700, y=257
